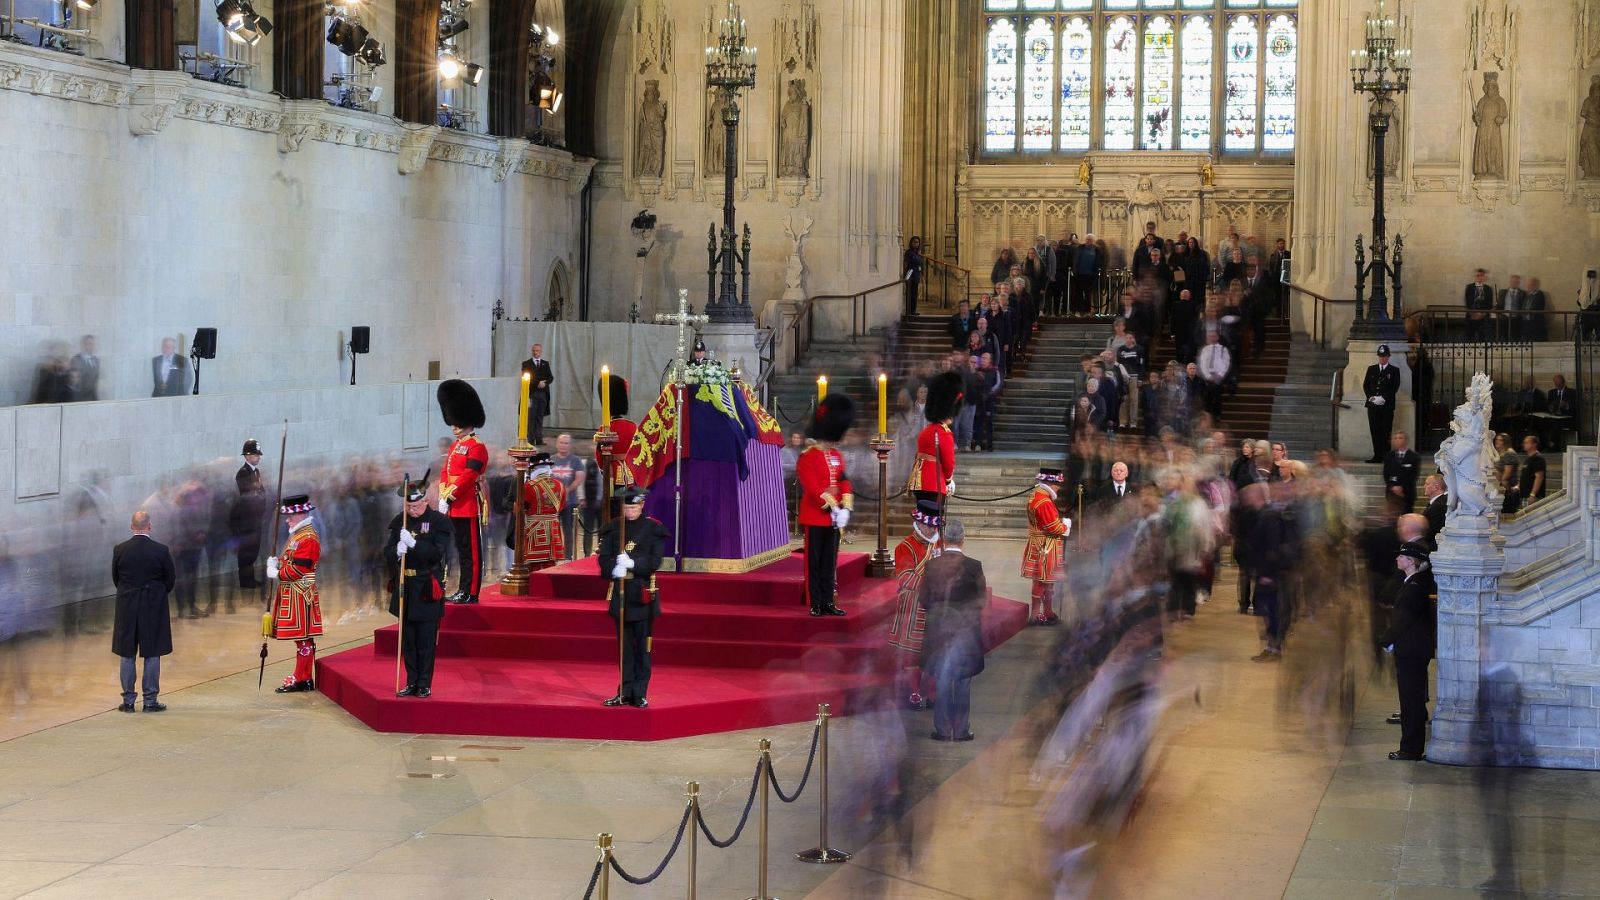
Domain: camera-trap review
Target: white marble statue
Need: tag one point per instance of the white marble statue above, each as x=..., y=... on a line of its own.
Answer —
x=1466, y=459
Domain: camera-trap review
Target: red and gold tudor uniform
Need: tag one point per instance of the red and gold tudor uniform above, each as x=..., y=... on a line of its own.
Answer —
x=934, y=470
x=542, y=498
x=461, y=494
x=825, y=500
x=1042, y=558
x=296, y=611
x=911, y=557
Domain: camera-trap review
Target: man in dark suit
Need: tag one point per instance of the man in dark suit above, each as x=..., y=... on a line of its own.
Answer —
x=1438, y=505
x=1380, y=386
x=85, y=371
x=143, y=574
x=540, y=377
x=1534, y=326
x=169, y=371
x=1509, y=305
x=961, y=326
x=1411, y=637
x=246, y=515
x=953, y=593
x=631, y=548
x=1561, y=401
x=419, y=540
x=1479, y=301
x=1117, y=491
x=1401, y=469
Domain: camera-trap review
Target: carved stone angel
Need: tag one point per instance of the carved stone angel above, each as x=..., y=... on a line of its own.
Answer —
x=1145, y=194
x=1466, y=459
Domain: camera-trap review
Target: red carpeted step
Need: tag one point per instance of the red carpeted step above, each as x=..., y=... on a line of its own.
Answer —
x=781, y=583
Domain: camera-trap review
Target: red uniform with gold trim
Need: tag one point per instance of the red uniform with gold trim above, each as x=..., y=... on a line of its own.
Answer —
x=621, y=475
x=824, y=487
x=461, y=487
x=542, y=542
x=910, y=619
x=296, y=610
x=935, y=464
x=1042, y=557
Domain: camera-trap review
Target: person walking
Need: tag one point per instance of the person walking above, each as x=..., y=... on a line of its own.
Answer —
x=143, y=574
x=953, y=594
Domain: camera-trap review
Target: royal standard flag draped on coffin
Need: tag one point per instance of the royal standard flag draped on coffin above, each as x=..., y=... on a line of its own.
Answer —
x=723, y=417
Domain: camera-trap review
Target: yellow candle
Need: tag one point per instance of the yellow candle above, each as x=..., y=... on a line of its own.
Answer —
x=522, y=409
x=822, y=387
x=605, y=397
x=883, y=404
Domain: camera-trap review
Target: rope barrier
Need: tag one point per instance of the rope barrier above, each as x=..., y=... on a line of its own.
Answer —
x=594, y=878
x=1026, y=490
x=816, y=732
x=672, y=851
x=755, y=781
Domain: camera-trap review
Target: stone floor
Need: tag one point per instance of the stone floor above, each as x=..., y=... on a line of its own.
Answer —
x=1257, y=789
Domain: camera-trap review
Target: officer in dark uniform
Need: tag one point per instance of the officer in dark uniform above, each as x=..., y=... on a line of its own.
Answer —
x=419, y=538
x=247, y=514
x=1412, y=637
x=1380, y=386
x=630, y=554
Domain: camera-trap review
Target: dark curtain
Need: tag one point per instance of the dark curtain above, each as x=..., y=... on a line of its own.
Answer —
x=151, y=42
x=509, y=23
x=590, y=24
x=297, y=47
x=416, y=75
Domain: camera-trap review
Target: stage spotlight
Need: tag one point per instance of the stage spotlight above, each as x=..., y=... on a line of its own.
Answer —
x=474, y=74
x=449, y=28
x=230, y=11
x=543, y=34
x=449, y=66
x=372, y=53
x=87, y=4
x=348, y=36
x=243, y=24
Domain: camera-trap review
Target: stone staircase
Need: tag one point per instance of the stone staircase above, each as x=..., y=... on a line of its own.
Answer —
x=991, y=475
x=1301, y=416
x=1249, y=413
x=1031, y=414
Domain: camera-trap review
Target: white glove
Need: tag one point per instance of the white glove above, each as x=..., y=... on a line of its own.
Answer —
x=400, y=548
x=950, y=486
x=841, y=518
x=1069, y=527
x=619, y=570
x=625, y=561
x=1388, y=648
x=444, y=506
x=272, y=568
x=407, y=539
x=1377, y=401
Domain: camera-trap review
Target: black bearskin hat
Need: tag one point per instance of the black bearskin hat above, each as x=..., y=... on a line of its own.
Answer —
x=459, y=404
x=619, y=395
x=944, y=396
x=835, y=414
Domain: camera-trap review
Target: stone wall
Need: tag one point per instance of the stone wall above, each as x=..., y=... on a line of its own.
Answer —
x=146, y=204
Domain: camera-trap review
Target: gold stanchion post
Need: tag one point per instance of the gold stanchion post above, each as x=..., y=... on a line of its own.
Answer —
x=515, y=582
x=882, y=564
x=761, y=827
x=822, y=853
x=603, y=887
x=1079, y=524
x=692, y=791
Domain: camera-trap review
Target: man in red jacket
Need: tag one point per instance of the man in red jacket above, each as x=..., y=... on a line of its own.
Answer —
x=933, y=474
x=296, y=608
x=461, y=488
x=825, y=500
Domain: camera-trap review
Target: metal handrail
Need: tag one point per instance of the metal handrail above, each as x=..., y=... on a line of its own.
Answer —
x=949, y=273
x=805, y=322
x=1319, y=312
x=766, y=362
x=1335, y=403
x=1454, y=324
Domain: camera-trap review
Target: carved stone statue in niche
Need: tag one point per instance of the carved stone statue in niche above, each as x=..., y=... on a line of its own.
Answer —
x=650, y=134
x=794, y=134
x=1589, y=138
x=716, y=149
x=1489, y=147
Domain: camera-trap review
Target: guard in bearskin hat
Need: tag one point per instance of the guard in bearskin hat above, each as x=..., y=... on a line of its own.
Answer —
x=419, y=541
x=910, y=619
x=1042, y=558
x=542, y=498
x=933, y=473
x=825, y=500
x=296, y=611
x=624, y=428
x=461, y=486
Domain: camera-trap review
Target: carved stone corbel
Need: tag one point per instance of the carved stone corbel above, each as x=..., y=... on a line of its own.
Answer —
x=415, y=144
x=512, y=151
x=300, y=119
x=155, y=99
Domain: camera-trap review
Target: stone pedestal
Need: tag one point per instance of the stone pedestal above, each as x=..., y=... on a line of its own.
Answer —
x=734, y=344
x=1468, y=566
x=1355, y=439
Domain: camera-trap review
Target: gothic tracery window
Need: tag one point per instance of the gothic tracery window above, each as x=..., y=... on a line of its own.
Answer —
x=1065, y=76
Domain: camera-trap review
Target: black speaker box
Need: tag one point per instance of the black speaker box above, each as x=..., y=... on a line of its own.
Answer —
x=205, y=343
x=360, y=339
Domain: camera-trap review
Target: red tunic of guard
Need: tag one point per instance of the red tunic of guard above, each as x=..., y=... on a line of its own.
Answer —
x=296, y=610
x=910, y=619
x=936, y=459
x=461, y=487
x=621, y=475
x=824, y=486
x=542, y=542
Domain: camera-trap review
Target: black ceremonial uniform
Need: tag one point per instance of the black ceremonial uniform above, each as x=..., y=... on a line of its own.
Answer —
x=1400, y=470
x=1380, y=381
x=634, y=598
x=424, y=587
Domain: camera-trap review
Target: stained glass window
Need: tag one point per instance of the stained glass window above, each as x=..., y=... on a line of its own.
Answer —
x=1239, y=87
x=1120, y=4
x=1277, y=105
x=1122, y=72
x=1000, y=5
x=1000, y=122
x=1038, y=4
x=1194, y=129
x=1077, y=84
x=1156, y=132
x=1038, y=84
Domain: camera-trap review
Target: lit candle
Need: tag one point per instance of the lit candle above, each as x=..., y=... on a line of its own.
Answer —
x=522, y=408
x=605, y=397
x=883, y=404
x=822, y=387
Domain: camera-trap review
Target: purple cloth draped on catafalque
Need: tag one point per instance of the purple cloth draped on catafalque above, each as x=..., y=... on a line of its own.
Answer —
x=724, y=516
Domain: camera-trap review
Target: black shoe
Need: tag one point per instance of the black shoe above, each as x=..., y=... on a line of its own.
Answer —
x=941, y=737
x=424, y=693
x=1394, y=719
x=155, y=707
x=126, y=707
x=408, y=691
x=965, y=736
x=615, y=701
x=818, y=612
x=638, y=702
x=1402, y=756
x=465, y=600
x=834, y=611
x=295, y=687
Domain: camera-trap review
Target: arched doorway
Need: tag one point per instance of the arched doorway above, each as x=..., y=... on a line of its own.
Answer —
x=558, y=294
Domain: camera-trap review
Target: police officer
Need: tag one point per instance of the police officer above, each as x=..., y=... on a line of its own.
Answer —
x=419, y=538
x=630, y=554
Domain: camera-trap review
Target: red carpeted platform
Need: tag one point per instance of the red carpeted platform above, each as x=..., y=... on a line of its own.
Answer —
x=731, y=652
